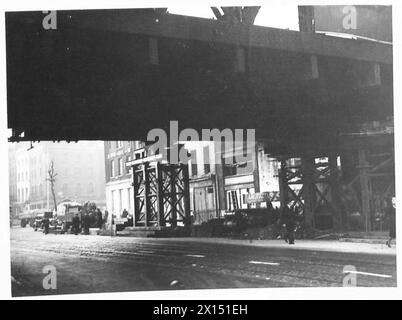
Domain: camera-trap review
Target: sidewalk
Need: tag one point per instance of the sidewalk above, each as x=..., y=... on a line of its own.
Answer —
x=312, y=245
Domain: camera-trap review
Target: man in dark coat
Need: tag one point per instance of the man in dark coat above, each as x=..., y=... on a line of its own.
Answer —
x=289, y=221
x=76, y=224
x=99, y=218
x=46, y=224
x=85, y=223
x=124, y=214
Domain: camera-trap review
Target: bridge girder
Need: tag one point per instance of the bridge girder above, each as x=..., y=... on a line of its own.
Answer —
x=116, y=74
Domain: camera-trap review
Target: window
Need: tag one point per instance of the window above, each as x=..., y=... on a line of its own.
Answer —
x=207, y=166
x=229, y=170
x=232, y=200
x=194, y=169
x=128, y=159
x=246, y=166
x=119, y=144
x=120, y=166
x=112, y=169
x=139, y=154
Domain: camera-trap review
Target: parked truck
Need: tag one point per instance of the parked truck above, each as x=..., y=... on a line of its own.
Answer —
x=66, y=211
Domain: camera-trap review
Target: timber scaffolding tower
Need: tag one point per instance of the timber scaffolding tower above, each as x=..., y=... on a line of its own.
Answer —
x=126, y=72
x=357, y=176
x=161, y=194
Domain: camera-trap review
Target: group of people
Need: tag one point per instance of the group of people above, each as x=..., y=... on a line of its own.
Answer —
x=87, y=220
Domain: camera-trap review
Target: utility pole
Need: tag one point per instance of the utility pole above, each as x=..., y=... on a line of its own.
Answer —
x=52, y=179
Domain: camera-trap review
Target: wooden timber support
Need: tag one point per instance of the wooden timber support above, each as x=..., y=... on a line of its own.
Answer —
x=161, y=195
x=355, y=188
x=312, y=185
x=375, y=182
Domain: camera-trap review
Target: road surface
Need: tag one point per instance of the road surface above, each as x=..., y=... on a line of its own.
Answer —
x=91, y=264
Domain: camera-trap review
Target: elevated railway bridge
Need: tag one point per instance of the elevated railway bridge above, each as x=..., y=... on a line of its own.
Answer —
x=116, y=74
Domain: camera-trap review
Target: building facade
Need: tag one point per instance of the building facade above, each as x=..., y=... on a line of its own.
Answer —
x=119, y=190
x=219, y=183
x=12, y=180
x=223, y=181
x=78, y=168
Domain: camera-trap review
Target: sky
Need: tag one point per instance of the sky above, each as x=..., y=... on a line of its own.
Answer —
x=276, y=15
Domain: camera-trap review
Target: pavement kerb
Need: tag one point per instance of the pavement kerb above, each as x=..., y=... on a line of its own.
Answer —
x=311, y=245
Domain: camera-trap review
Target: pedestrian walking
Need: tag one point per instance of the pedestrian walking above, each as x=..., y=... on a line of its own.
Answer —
x=289, y=222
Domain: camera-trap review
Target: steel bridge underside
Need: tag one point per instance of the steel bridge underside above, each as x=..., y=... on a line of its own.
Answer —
x=116, y=74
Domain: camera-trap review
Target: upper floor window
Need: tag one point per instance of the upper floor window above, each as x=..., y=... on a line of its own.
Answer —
x=119, y=144
x=112, y=169
x=128, y=159
x=120, y=166
x=207, y=166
